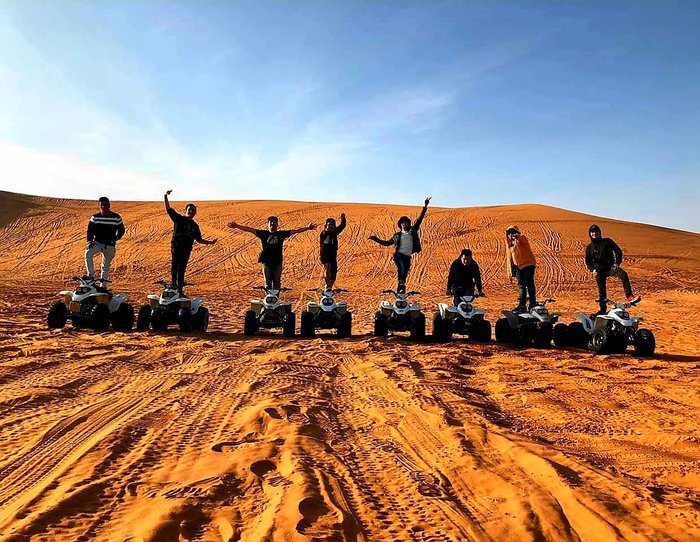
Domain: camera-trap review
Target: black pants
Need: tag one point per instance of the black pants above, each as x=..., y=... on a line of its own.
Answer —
x=601, y=277
x=526, y=285
x=272, y=273
x=180, y=256
x=403, y=265
x=459, y=291
x=333, y=263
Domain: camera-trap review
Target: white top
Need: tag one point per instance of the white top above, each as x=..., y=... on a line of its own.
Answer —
x=406, y=244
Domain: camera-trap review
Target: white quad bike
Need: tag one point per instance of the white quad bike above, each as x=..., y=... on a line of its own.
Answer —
x=326, y=314
x=170, y=307
x=464, y=319
x=270, y=312
x=613, y=332
x=90, y=306
x=399, y=316
x=535, y=326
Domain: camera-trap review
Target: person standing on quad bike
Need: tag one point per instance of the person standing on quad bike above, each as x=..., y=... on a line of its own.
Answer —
x=271, y=255
x=603, y=257
x=464, y=276
x=104, y=230
x=329, y=249
x=521, y=264
x=185, y=232
x=407, y=243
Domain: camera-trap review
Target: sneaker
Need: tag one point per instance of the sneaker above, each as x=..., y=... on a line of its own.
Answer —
x=634, y=299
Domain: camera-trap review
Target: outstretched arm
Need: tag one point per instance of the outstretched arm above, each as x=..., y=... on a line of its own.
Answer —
x=311, y=226
x=165, y=200
x=386, y=243
x=237, y=226
x=421, y=216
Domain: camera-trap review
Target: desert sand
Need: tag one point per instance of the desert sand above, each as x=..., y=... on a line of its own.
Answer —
x=221, y=437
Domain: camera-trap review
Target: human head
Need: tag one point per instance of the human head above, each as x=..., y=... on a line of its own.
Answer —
x=512, y=232
x=329, y=225
x=466, y=256
x=594, y=232
x=404, y=223
x=104, y=204
x=272, y=223
x=191, y=210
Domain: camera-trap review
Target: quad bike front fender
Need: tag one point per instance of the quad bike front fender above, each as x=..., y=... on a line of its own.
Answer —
x=116, y=301
x=586, y=321
x=196, y=303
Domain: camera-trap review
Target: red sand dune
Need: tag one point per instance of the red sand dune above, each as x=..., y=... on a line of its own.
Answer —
x=163, y=436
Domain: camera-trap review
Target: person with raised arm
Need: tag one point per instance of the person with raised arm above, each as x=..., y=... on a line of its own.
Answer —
x=272, y=240
x=329, y=249
x=185, y=232
x=406, y=242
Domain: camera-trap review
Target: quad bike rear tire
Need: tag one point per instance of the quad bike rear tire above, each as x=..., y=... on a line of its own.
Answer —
x=560, y=335
x=159, y=318
x=143, y=320
x=644, y=343
x=481, y=331
x=504, y=333
x=57, y=316
x=417, y=331
x=289, y=325
x=442, y=331
x=542, y=336
x=577, y=336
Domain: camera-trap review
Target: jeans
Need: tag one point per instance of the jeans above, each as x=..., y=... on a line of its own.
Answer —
x=403, y=265
x=601, y=277
x=107, y=252
x=180, y=257
x=526, y=284
x=272, y=273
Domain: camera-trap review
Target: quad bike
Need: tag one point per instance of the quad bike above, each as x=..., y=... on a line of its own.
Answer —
x=535, y=326
x=270, y=313
x=171, y=307
x=399, y=316
x=326, y=314
x=613, y=332
x=90, y=306
x=463, y=318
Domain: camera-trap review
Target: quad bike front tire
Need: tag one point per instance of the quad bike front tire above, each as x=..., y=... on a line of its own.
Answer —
x=123, y=318
x=381, y=325
x=289, y=325
x=57, y=316
x=143, y=320
x=345, y=326
x=577, y=336
x=307, y=328
x=417, y=331
x=159, y=318
x=504, y=333
x=601, y=341
x=644, y=343
x=184, y=319
x=440, y=331
x=560, y=335
x=100, y=317
x=200, y=320
x=542, y=336
x=250, y=323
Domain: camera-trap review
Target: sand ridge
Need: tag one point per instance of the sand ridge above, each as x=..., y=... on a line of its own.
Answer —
x=162, y=436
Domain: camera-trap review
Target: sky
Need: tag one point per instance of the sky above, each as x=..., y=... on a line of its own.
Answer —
x=590, y=106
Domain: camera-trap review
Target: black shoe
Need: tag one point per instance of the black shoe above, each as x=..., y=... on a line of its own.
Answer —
x=519, y=308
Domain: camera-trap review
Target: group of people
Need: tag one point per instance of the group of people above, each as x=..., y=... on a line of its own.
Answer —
x=603, y=256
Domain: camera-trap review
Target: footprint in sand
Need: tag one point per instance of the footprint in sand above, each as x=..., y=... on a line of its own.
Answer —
x=267, y=471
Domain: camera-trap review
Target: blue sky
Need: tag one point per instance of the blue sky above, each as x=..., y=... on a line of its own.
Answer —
x=592, y=106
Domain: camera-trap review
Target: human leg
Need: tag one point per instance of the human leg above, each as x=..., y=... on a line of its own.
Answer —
x=108, y=252
x=529, y=280
x=601, y=278
x=90, y=252
x=522, y=293
x=276, y=276
x=267, y=275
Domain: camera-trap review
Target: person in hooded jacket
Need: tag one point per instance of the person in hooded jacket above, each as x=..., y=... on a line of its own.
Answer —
x=464, y=277
x=406, y=242
x=603, y=257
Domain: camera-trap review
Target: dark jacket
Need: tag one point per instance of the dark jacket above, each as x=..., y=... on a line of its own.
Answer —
x=105, y=229
x=185, y=230
x=329, y=242
x=396, y=238
x=602, y=254
x=464, y=276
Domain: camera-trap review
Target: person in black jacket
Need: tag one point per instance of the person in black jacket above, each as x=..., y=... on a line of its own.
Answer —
x=464, y=276
x=329, y=248
x=104, y=230
x=603, y=257
x=185, y=232
x=271, y=254
x=407, y=243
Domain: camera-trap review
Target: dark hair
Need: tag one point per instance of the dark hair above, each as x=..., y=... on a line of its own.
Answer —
x=594, y=227
x=466, y=252
x=191, y=205
x=272, y=219
x=330, y=221
x=404, y=219
x=104, y=199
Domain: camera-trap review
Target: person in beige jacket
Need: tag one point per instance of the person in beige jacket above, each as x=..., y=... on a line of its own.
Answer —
x=521, y=264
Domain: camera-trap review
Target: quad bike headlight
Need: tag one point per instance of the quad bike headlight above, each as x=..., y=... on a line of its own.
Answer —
x=82, y=290
x=271, y=299
x=168, y=294
x=401, y=304
x=327, y=301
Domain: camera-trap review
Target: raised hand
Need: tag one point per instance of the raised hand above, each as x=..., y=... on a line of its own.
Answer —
x=232, y=224
x=427, y=200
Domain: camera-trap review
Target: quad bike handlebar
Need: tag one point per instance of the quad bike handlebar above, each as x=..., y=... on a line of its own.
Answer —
x=265, y=289
x=85, y=278
x=397, y=294
x=322, y=290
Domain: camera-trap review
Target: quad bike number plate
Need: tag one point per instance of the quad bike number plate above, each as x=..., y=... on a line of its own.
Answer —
x=74, y=306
